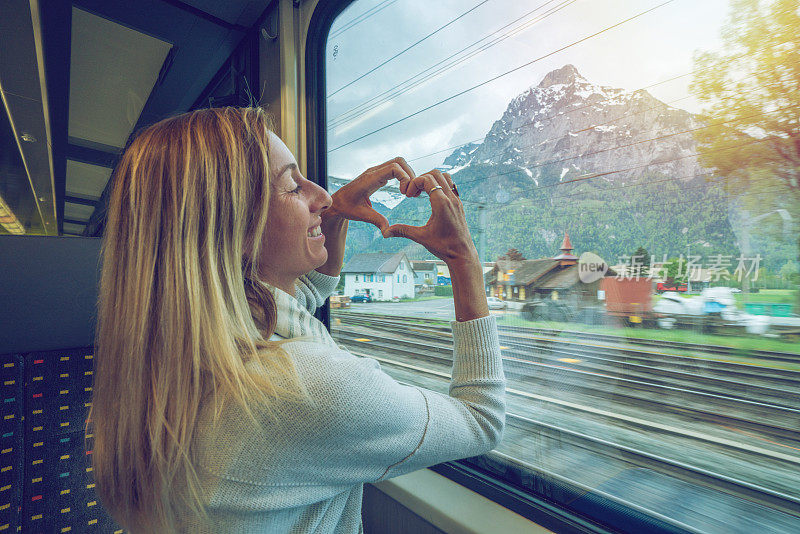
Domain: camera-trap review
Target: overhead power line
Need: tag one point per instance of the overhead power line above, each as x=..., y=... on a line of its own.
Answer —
x=432, y=71
x=465, y=91
x=434, y=32
x=617, y=171
x=362, y=17
x=660, y=203
x=615, y=147
x=591, y=176
x=652, y=139
x=547, y=120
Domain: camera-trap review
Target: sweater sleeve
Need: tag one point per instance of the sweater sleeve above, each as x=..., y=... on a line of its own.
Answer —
x=363, y=426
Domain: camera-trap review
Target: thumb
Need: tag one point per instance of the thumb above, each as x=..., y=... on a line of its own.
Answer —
x=373, y=217
x=402, y=230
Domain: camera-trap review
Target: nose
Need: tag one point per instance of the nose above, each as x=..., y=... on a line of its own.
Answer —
x=322, y=200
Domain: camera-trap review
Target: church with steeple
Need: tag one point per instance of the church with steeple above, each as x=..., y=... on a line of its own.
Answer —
x=545, y=279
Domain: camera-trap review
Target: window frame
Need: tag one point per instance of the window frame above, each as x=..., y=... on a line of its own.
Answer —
x=472, y=473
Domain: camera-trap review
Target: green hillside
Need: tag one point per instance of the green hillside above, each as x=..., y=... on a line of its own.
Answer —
x=609, y=218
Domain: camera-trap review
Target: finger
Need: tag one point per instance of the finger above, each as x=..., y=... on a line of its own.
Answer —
x=378, y=176
x=406, y=167
x=448, y=179
x=454, y=189
x=424, y=182
x=403, y=230
x=401, y=171
x=373, y=217
x=451, y=182
x=389, y=170
x=443, y=182
x=417, y=185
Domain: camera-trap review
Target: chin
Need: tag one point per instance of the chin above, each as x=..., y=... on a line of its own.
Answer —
x=321, y=262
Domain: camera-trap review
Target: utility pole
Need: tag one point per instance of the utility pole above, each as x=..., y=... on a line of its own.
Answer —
x=481, y=232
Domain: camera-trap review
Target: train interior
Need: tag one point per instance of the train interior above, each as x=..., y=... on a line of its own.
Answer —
x=80, y=77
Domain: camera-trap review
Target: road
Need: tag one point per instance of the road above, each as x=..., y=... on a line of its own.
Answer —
x=430, y=309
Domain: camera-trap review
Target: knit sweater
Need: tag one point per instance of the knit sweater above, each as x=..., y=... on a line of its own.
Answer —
x=306, y=474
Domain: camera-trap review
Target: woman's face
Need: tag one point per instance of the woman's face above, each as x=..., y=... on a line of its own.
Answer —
x=292, y=244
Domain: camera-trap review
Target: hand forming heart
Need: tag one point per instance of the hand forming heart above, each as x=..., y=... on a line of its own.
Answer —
x=352, y=200
x=445, y=234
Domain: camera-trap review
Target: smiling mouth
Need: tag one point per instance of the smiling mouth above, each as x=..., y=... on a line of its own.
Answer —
x=314, y=232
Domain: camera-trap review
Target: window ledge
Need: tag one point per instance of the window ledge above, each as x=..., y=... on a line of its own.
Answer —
x=452, y=507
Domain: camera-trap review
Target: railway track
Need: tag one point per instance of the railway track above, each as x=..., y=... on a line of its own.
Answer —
x=717, y=350
x=619, y=452
x=681, y=470
x=783, y=389
x=769, y=420
x=784, y=382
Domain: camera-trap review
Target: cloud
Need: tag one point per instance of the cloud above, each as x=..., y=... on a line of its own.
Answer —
x=355, y=161
x=647, y=50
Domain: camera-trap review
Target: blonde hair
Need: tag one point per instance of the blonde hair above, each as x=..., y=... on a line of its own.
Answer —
x=180, y=309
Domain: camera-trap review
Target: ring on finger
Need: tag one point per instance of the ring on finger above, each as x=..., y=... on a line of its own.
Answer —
x=435, y=188
x=455, y=190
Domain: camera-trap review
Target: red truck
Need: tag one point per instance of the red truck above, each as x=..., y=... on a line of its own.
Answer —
x=670, y=286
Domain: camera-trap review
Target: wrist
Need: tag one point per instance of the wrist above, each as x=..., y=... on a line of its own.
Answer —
x=467, y=259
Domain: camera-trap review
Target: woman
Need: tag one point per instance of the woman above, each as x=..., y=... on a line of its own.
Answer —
x=220, y=404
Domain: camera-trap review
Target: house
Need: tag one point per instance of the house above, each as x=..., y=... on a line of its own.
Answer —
x=425, y=274
x=380, y=275
x=553, y=278
x=699, y=278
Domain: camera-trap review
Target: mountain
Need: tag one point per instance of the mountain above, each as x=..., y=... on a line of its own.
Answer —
x=615, y=168
x=567, y=126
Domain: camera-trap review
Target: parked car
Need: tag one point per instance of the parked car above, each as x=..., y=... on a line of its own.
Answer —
x=360, y=298
x=496, y=304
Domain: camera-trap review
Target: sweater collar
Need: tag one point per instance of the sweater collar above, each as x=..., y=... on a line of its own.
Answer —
x=294, y=320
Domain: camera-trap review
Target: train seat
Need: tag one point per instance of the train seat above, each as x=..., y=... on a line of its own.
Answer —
x=49, y=291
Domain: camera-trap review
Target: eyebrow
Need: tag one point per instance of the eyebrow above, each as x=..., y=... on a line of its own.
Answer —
x=285, y=168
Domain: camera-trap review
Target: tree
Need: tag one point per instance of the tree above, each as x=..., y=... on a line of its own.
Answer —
x=750, y=91
x=676, y=270
x=641, y=257
x=789, y=272
x=512, y=255
x=750, y=95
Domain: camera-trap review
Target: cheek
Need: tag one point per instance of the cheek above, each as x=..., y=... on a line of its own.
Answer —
x=283, y=226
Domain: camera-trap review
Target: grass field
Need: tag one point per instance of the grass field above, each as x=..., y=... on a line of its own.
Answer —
x=774, y=296
x=765, y=296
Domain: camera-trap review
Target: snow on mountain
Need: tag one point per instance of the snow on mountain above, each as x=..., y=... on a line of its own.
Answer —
x=381, y=199
x=580, y=127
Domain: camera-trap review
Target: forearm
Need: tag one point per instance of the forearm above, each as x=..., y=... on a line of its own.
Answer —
x=469, y=293
x=334, y=228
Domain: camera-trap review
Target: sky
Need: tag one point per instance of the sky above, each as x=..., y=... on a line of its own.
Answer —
x=651, y=48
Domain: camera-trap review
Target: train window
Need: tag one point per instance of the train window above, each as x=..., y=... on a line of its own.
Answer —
x=630, y=174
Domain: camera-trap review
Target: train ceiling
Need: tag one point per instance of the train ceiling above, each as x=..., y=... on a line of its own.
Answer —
x=78, y=78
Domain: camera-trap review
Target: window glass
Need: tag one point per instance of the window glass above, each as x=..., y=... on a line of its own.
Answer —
x=631, y=176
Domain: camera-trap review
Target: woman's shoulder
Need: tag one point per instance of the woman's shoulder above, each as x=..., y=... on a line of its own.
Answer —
x=317, y=362
x=316, y=356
